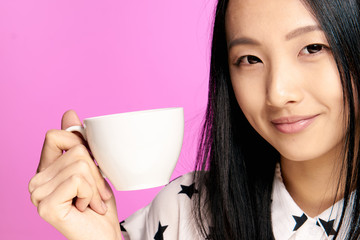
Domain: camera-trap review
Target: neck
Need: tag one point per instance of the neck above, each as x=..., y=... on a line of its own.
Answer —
x=313, y=184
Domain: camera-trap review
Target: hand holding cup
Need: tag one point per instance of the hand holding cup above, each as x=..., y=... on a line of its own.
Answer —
x=69, y=191
x=135, y=150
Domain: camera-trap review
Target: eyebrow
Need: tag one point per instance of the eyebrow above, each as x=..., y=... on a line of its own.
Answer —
x=242, y=41
x=293, y=34
x=302, y=30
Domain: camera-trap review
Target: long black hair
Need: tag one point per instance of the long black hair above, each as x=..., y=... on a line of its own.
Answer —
x=235, y=193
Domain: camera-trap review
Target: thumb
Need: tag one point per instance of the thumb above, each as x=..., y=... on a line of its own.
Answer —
x=70, y=118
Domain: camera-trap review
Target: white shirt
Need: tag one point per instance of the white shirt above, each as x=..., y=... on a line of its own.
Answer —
x=290, y=222
x=169, y=215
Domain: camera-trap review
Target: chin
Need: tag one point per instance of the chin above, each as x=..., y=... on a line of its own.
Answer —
x=299, y=156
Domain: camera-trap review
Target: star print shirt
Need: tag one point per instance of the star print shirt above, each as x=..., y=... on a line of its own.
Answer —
x=169, y=216
x=291, y=223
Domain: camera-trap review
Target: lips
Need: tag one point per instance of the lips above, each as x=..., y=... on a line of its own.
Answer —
x=293, y=124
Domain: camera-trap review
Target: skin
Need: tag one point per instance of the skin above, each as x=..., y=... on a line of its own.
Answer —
x=63, y=176
x=286, y=76
x=290, y=73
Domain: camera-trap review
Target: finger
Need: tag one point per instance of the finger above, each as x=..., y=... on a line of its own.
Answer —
x=86, y=196
x=84, y=164
x=52, y=148
x=76, y=168
x=70, y=118
x=75, y=153
x=56, y=141
x=80, y=153
x=59, y=203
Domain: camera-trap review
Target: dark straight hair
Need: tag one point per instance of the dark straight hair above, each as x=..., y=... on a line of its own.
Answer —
x=235, y=192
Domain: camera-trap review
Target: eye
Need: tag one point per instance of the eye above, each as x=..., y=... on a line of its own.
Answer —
x=312, y=49
x=247, y=60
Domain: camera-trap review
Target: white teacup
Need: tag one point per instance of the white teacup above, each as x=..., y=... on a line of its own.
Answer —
x=135, y=150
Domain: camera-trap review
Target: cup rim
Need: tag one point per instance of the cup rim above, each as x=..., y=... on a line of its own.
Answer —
x=133, y=113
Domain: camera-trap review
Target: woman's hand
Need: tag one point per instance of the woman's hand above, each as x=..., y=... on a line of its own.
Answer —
x=68, y=189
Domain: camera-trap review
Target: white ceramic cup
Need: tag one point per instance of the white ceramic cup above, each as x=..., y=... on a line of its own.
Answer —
x=135, y=150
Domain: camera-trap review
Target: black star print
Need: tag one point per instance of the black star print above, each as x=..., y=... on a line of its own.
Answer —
x=160, y=231
x=122, y=227
x=299, y=221
x=328, y=226
x=188, y=190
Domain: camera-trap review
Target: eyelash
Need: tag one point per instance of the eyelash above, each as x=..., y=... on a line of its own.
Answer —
x=322, y=47
x=319, y=48
x=238, y=61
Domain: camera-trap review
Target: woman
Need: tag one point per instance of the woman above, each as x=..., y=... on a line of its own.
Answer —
x=280, y=140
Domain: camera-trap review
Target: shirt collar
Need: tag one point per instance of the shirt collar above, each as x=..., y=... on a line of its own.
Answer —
x=288, y=218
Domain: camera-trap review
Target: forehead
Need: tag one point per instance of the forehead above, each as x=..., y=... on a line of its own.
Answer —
x=265, y=17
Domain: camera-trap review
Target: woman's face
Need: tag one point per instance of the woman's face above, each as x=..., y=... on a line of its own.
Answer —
x=285, y=78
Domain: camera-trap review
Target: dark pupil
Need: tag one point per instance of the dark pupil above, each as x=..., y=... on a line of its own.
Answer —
x=314, y=48
x=253, y=59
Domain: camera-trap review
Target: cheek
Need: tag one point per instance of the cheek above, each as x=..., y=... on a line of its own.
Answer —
x=326, y=81
x=326, y=88
x=250, y=98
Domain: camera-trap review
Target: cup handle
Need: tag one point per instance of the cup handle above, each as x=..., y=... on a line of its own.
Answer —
x=81, y=130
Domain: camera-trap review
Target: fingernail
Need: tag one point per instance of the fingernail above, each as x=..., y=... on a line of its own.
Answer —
x=105, y=195
x=103, y=205
x=107, y=192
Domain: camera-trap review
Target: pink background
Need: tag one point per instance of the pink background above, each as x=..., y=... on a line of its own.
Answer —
x=97, y=57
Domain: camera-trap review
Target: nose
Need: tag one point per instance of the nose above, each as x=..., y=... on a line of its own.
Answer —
x=284, y=86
